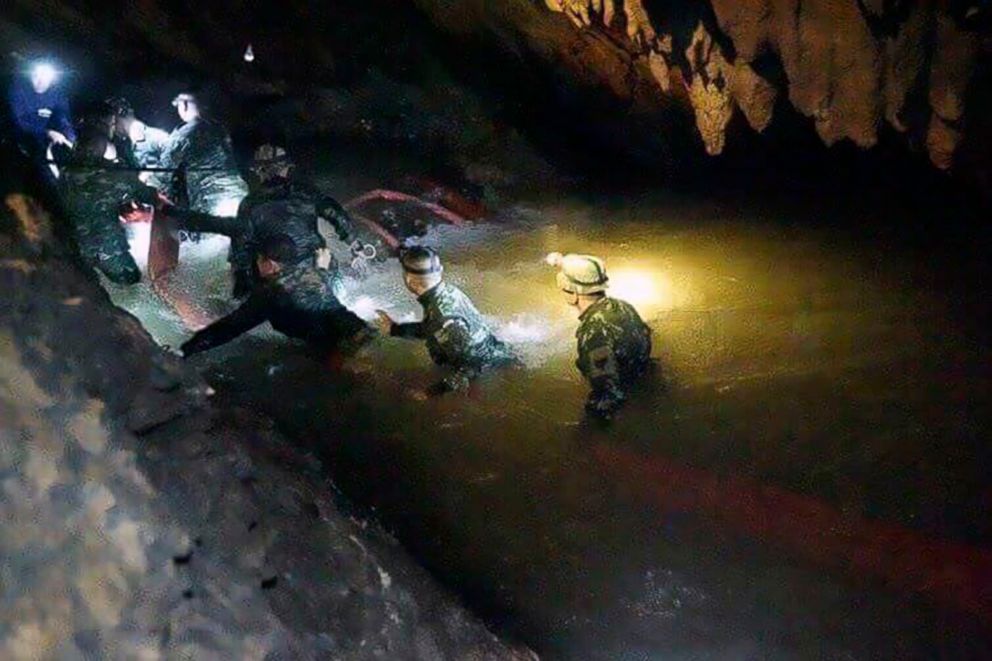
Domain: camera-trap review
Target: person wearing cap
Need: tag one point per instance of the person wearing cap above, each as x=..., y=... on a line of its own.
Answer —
x=40, y=110
x=614, y=343
x=457, y=336
x=198, y=165
x=296, y=298
x=276, y=204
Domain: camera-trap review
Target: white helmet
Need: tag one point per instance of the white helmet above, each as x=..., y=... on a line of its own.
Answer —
x=580, y=274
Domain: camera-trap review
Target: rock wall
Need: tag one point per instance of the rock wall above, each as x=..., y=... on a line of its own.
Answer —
x=141, y=521
x=855, y=68
x=847, y=64
x=852, y=67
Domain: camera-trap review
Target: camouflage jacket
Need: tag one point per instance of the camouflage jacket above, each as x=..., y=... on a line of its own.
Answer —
x=614, y=350
x=93, y=190
x=200, y=153
x=457, y=336
x=299, y=302
x=283, y=208
x=147, y=153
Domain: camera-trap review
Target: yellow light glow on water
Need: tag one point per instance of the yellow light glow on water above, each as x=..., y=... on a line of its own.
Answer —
x=644, y=289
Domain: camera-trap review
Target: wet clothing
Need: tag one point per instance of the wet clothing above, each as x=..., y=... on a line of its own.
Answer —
x=93, y=192
x=279, y=208
x=614, y=351
x=147, y=153
x=298, y=302
x=457, y=337
x=200, y=152
x=35, y=114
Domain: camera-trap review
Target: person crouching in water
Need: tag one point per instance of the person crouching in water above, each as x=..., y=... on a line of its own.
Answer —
x=614, y=342
x=457, y=336
x=293, y=295
x=277, y=204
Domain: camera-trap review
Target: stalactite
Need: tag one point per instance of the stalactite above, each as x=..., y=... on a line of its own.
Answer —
x=849, y=64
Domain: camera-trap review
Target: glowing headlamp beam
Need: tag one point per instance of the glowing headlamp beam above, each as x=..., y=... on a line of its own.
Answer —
x=44, y=72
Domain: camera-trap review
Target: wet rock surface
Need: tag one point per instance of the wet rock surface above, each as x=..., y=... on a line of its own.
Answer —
x=142, y=522
x=847, y=65
x=496, y=90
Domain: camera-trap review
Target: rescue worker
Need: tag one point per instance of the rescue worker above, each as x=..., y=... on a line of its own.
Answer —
x=296, y=297
x=276, y=205
x=614, y=343
x=40, y=110
x=457, y=336
x=142, y=145
x=201, y=170
x=94, y=185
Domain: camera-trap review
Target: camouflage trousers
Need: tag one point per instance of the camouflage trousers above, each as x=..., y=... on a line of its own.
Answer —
x=104, y=247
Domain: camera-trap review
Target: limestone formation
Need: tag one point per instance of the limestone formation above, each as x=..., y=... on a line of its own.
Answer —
x=709, y=91
x=849, y=65
x=640, y=30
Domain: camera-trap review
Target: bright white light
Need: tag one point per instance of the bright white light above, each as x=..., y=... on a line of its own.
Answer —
x=43, y=74
x=207, y=249
x=249, y=54
x=642, y=289
x=520, y=331
x=137, y=131
x=141, y=234
x=227, y=207
x=364, y=307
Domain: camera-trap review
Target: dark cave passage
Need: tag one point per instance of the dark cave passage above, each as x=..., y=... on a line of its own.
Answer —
x=804, y=474
x=796, y=350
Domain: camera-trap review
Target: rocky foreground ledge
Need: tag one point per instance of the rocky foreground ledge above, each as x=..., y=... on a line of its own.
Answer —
x=141, y=521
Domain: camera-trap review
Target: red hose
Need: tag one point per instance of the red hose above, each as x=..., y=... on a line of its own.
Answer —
x=396, y=196
x=950, y=573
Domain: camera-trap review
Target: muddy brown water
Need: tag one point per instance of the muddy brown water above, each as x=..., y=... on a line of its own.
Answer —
x=814, y=360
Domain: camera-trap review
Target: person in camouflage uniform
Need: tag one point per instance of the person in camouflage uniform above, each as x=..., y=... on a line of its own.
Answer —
x=138, y=145
x=276, y=205
x=94, y=185
x=614, y=343
x=456, y=334
x=202, y=173
x=297, y=298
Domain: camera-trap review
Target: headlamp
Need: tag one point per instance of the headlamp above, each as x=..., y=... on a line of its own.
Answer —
x=44, y=72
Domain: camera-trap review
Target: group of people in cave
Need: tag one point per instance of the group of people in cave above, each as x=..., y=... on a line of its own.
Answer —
x=111, y=165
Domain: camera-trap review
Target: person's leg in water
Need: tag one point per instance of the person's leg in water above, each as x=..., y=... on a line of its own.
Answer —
x=120, y=268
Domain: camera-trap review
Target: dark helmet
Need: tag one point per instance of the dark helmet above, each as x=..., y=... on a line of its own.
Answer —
x=278, y=247
x=269, y=161
x=118, y=106
x=421, y=260
x=268, y=154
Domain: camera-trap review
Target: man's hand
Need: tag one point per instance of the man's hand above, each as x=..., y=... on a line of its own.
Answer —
x=384, y=322
x=57, y=138
x=323, y=258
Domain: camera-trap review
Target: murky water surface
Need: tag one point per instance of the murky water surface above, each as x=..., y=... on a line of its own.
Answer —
x=805, y=359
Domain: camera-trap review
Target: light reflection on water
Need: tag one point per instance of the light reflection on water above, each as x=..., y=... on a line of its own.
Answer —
x=783, y=356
